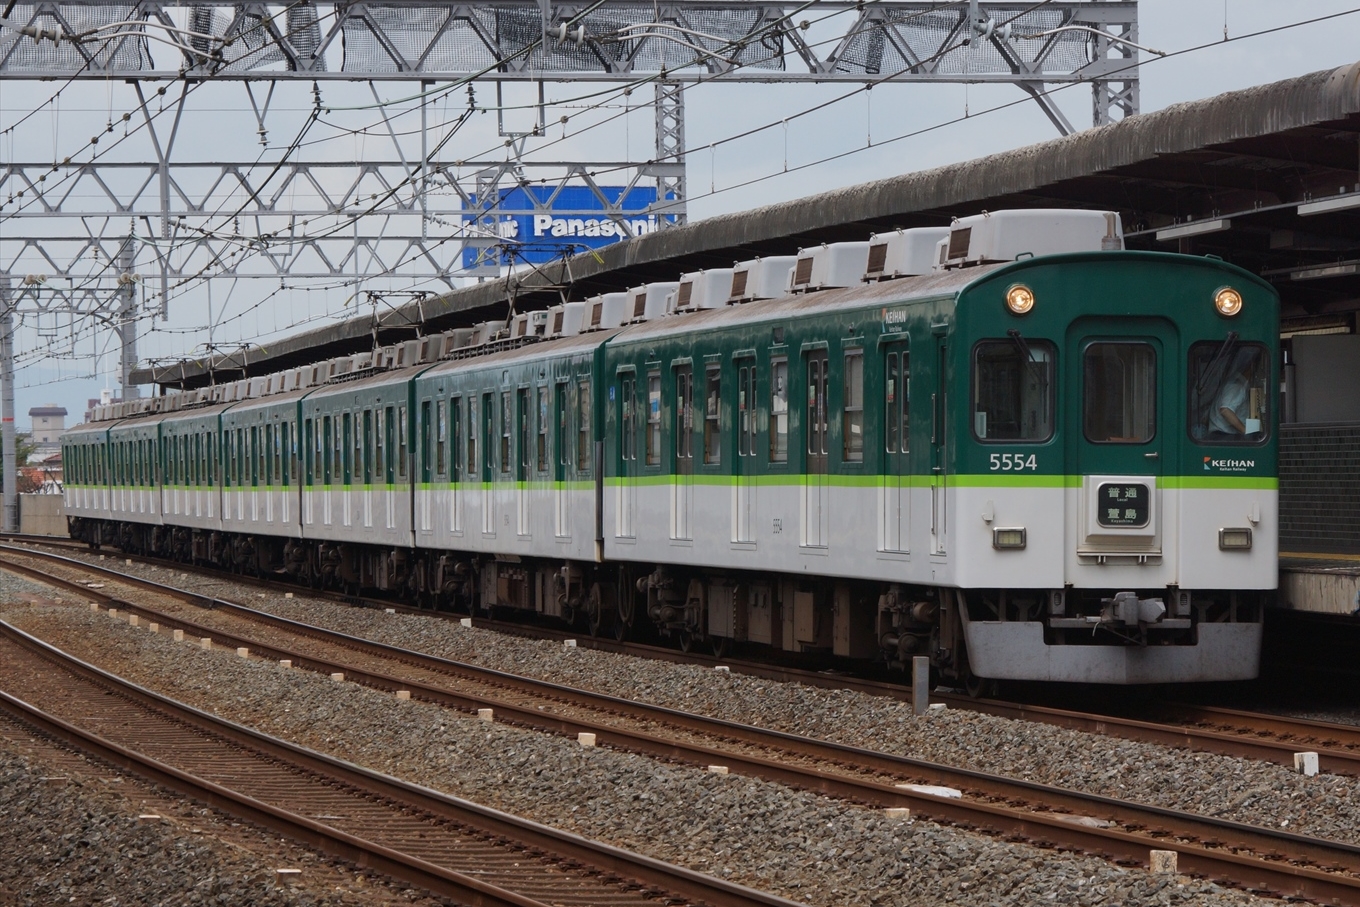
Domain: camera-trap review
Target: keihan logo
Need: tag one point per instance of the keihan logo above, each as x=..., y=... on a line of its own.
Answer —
x=1211, y=465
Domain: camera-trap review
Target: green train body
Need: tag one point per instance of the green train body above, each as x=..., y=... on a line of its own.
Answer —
x=1058, y=468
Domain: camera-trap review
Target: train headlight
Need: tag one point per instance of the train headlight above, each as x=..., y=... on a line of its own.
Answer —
x=1008, y=538
x=1020, y=299
x=1234, y=539
x=1228, y=302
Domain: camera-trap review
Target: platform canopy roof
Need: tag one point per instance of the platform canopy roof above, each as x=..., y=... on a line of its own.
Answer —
x=1267, y=178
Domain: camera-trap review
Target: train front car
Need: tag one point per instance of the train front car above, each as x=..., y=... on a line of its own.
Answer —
x=1114, y=490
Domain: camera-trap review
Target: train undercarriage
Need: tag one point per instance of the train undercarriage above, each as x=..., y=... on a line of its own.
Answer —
x=852, y=619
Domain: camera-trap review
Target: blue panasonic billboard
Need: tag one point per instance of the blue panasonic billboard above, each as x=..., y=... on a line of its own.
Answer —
x=537, y=224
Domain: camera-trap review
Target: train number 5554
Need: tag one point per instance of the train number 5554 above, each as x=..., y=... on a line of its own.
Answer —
x=1012, y=462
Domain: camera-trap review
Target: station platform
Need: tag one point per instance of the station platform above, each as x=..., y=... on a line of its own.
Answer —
x=1319, y=583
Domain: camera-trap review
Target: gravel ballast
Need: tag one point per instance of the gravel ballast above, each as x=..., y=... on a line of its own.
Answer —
x=801, y=846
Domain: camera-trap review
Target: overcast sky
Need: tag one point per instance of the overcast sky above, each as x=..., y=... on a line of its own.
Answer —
x=728, y=177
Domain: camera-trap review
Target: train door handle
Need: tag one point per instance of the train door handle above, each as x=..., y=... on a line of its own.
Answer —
x=1152, y=455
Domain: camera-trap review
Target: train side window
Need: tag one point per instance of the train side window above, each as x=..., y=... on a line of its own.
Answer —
x=1013, y=389
x=713, y=414
x=627, y=423
x=425, y=428
x=285, y=439
x=583, y=427
x=488, y=436
x=746, y=415
x=309, y=470
x=543, y=420
x=441, y=440
x=368, y=447
x=816, y=405
x=522, y=434
x=271, y=457
x=401, y=429
x=455, y=437
x=1119, y=395
x=389, y=428
x=472, y=430
x=560, y=438
x=897, y=401
x=348, y=448
x=654, y=418
x=326, y=464
x=507, y=418
x=852, y=408
x=1230, y=392
x=356, y=469
x=779, y=411
x=380, y=447
x=684, y=413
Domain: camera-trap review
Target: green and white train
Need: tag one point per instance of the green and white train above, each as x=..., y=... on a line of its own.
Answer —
x=1008, y=445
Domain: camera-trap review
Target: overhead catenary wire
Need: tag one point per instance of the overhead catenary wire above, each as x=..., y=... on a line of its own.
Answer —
x=950, y=122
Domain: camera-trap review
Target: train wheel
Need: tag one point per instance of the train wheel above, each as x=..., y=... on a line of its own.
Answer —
x=686, y=641
x=627, y=605
x=601, y=609
x=721, y=645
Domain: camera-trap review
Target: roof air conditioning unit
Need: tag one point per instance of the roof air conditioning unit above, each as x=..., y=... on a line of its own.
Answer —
x=703, y=290
x=605, y=312
x=1002, y=236
x=761, y=278
x=567, y=321
x=903, y=253
x=826, y=267
x=648, y=302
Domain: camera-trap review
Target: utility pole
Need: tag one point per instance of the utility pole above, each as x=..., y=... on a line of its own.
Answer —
x=127, y=318
x=10, y=518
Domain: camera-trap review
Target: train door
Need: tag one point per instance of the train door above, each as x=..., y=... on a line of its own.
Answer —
x=561, y=461
x=328, y=470
x=895, y=503
x=625, y=502
x=522, y=434
x=367, y=453
x=488, y=464
x=815, y=506
x=744, y=469
x=346, y=458
x=1126, y=373
x=425, y=494
x=682, y=485
x=456, y=473
x=939, y=461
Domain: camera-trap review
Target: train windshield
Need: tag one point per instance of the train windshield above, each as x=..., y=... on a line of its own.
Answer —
x=1229, y=385
x=1013, y=390
x=1119, y=403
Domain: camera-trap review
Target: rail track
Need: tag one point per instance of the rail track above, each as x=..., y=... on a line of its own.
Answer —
x=1248, y=856
x=451, y=847
x=1230, y=732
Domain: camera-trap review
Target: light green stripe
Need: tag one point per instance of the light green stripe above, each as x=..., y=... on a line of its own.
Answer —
x=1011, y=480
x=1259, y=483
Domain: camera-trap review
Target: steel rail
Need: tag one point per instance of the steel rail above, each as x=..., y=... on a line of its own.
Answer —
x=570, y=849
x=1223, y=737
x=1204, y=842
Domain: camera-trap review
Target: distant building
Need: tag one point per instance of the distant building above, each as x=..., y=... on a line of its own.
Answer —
x=49, y=421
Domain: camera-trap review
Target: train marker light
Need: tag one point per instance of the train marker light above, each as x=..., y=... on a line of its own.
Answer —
x=1234, y=539
x=1020, y=299
x=1008, y=538
x=1228, y=302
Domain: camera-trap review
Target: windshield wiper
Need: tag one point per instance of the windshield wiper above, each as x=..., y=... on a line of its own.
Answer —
x=1027, y=353
x=1223, y=350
